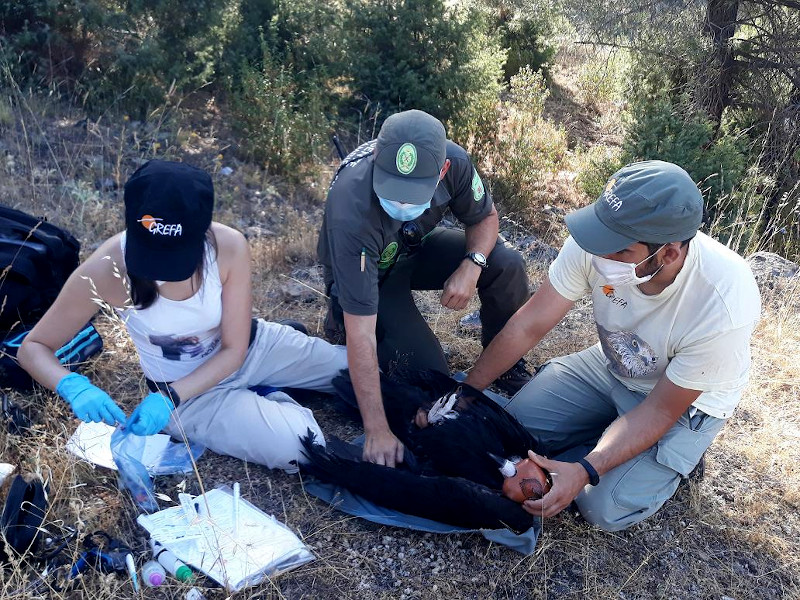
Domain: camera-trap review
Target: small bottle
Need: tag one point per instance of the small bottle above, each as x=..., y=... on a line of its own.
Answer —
x=168, y=560
x=195, y=594
x=153, y=574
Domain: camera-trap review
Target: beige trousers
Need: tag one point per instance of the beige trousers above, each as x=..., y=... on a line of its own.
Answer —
x=233, y=420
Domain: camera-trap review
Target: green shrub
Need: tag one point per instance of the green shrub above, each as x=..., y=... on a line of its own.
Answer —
x=304, y=35
x=529, y=148
x=44, y=41
x=601, y=80
x=595, y=166
x=282, y=126
x=529, y=91
x=425, y=54
x=113, y=54
x=666, y=129
x=527, y=41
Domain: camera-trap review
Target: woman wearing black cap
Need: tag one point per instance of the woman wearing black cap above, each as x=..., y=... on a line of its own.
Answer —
x=181, y=284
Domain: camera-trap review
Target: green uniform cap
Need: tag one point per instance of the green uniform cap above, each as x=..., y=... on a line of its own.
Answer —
x=409, y=154
x=650, y=201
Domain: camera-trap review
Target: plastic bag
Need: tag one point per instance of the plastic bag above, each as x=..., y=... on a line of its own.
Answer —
x=132, y=452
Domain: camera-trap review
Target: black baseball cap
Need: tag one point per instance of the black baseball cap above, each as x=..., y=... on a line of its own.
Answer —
x=410, y=152
x=649, y=201
x=168, y=208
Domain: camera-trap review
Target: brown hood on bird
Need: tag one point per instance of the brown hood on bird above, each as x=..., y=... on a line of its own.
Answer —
x=524, y=479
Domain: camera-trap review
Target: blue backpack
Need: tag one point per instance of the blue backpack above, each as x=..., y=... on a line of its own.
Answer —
x=86, y=343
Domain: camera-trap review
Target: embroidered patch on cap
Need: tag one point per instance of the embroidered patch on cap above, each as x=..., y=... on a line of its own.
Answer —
x=406, y=159
x=477, y=186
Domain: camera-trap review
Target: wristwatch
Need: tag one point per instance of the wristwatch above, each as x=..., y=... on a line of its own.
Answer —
x=478, y=258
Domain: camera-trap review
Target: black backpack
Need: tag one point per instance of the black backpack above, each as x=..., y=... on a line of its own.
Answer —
x=23, y=514
x=36, y=257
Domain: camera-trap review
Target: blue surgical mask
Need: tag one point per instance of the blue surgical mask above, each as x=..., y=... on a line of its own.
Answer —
x=401, y=211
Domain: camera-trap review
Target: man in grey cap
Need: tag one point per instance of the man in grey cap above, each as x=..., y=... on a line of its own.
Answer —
x=632, y=415
x=380, y=240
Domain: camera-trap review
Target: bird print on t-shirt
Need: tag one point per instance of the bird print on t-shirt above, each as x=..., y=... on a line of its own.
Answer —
x=628, y=355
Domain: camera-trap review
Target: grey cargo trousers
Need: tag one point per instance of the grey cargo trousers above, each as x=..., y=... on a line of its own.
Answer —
x=568, y=405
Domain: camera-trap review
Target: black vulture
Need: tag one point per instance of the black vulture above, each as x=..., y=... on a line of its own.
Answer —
x=451, y=471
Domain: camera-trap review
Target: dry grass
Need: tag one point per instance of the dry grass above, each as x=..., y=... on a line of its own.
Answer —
x=734, y=534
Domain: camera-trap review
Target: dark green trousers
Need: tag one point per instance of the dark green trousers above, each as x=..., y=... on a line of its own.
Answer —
x=403, y=336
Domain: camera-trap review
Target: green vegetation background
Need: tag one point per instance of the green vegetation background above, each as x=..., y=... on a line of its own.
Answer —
x=712, y=86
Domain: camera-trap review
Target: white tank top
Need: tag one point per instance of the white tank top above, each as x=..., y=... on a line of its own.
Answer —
x=174, y=337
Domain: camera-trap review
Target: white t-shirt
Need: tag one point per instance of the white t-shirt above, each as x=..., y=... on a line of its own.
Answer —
x=697, y=331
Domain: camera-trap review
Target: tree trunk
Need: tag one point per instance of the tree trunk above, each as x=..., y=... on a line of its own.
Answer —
x=720, y=25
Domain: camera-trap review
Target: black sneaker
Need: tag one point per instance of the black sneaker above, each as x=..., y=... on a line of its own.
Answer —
x=515, y=378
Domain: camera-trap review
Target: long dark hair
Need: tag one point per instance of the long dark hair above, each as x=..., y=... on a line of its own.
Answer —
x=145, y=291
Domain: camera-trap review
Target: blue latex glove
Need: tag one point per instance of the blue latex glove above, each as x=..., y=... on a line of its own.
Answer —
x=152, y=414
x=88, y=402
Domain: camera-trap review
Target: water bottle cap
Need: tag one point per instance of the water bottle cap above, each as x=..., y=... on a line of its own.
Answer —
x=156, y=579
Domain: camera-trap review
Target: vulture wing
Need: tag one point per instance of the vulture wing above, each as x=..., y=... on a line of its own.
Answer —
x=450, y=500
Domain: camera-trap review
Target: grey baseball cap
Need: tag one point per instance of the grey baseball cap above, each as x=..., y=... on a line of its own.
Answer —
x=409, y=154
x=649, y=201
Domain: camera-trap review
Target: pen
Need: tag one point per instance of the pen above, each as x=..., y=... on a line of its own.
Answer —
x=363, y=258
x=236, y=509
x=132, y=571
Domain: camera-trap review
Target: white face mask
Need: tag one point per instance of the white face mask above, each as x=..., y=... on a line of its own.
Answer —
x=621, y=274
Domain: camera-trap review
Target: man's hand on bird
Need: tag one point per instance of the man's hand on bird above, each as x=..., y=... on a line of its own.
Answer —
x=568, y=481
x=383, y=448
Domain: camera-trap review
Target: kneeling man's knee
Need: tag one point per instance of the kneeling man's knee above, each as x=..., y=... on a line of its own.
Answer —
x=602, y=512
x=508, y=259
x=628, y=493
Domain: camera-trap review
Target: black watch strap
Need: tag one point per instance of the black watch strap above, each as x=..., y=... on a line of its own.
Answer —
x=594, y=478
x=170, y=393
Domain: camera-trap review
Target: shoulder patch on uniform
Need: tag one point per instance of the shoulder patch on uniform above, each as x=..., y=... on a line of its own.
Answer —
x=477, y=186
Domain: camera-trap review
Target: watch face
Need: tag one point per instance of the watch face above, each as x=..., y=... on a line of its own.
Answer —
x=479, y=258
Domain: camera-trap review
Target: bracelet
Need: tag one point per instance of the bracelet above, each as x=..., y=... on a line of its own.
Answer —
x=594, y=478
x=172, y=395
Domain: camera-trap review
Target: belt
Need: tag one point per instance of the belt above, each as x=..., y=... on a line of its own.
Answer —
x=161, y=386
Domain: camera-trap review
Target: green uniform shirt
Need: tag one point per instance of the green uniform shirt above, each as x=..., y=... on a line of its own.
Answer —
x=355, y=224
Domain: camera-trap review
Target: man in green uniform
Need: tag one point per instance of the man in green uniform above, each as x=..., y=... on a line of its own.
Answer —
x=380, y=240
